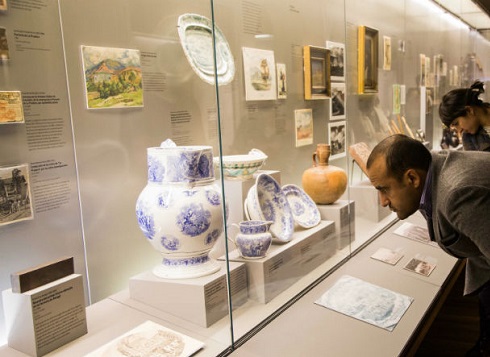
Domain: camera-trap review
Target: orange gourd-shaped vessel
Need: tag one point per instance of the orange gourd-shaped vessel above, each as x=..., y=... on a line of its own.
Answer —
x=324, y=183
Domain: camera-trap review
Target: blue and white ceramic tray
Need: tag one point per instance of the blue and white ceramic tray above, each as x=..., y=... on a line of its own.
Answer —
x=305, y=212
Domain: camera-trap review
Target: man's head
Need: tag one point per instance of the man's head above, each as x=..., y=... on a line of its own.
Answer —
x=397, y=168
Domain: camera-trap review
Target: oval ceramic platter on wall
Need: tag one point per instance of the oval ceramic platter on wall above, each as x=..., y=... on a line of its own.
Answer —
x=196, y=37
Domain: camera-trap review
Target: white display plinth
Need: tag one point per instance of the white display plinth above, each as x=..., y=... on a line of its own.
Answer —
x=202, y=300
x=288, y=262
x=367, y=201
x=342, y=213
x=45, y=318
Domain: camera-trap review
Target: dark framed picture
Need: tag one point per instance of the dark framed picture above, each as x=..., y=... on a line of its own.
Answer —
x=337, y=60
x=367, y=60
x=316, y=72
x=337, y=139
x=338, y=101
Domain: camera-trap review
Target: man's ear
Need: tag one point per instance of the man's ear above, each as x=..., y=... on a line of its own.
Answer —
x=413, y=178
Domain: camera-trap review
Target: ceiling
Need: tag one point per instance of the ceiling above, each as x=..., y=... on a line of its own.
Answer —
x=476, y=13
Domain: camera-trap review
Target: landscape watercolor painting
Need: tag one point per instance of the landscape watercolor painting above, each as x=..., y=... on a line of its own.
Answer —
x=113, y=77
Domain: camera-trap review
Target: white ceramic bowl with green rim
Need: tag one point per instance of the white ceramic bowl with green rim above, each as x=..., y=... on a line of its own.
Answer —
x=241, y=167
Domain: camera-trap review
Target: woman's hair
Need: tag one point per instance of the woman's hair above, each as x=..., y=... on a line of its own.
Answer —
x=454, y=102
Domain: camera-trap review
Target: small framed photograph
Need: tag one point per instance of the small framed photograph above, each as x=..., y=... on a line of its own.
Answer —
x=337, y=60
x=316, y=72
x=259, y=71
x=422, y=265
x=337, y=139
x=388, y=256
x=367, y=60
x=282, y=85
x=338, y=101
x=3, y=5
x=303, y=119
x=15, y=194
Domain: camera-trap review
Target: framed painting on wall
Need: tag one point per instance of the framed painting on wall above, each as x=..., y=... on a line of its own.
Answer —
x=113, y=77
x=259, y=70
x=316, y=72
x=337, y=139
x=367, y=61
x=337, y=60
x=303, y=119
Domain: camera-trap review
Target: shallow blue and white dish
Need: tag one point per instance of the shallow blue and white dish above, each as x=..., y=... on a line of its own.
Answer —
x=305, y=212
x=266, y=202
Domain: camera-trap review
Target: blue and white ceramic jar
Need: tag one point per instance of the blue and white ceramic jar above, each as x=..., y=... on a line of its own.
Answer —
x=254, y=239
x=180, y=210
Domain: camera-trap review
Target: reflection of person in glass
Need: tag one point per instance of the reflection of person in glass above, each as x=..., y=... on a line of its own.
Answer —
x=451, y=189
x=462, y=110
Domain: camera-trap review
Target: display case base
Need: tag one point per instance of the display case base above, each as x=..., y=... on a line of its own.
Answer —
x=367, y=202
x=342, y=213
x=288, y=262
x=202, y=300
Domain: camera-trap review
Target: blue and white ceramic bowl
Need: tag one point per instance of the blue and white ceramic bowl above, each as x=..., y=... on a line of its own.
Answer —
x=266, y=202
x=305, y=211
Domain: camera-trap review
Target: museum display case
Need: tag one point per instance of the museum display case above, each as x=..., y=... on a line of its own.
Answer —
x=203, y=161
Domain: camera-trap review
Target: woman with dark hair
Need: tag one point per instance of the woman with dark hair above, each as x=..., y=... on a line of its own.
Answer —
x=462, y=109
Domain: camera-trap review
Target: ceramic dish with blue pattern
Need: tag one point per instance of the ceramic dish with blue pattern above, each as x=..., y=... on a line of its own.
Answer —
x=305, y=212
x=266, y=202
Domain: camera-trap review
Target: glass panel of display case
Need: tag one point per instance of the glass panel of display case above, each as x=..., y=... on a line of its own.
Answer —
x=203, y=161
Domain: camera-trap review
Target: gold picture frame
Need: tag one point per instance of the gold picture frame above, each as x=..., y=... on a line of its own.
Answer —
x=316, y=72
x=367, y=60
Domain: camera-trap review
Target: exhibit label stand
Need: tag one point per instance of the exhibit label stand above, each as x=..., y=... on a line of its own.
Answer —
x=285, y=263
x=202, y=300
x=342, y=213
x=44, y=318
